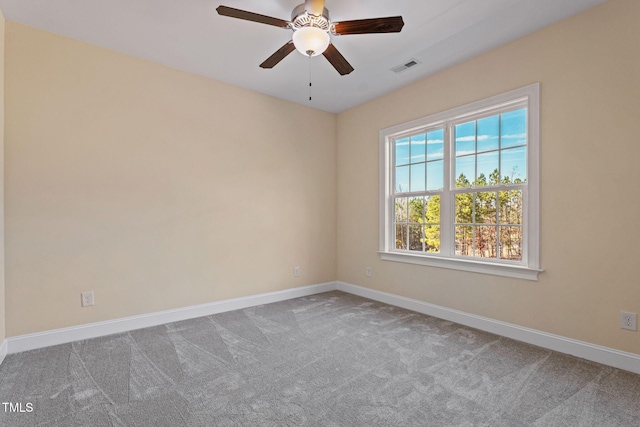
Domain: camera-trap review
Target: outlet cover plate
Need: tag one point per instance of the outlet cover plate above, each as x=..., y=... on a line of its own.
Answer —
x=628, y=321
x=87, y=299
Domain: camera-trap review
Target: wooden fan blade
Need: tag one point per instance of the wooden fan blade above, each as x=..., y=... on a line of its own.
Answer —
x=250, y=16
x=392, y=24
x=337, y=60
x=279, y=55
x=314, y=7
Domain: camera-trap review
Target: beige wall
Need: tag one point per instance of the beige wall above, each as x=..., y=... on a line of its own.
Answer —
x=152, y=187
x=2, y=304
x=589, y=70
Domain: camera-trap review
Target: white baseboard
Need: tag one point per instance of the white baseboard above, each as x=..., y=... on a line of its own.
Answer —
x=3, y=351
x=98, y=329
x=595, y=353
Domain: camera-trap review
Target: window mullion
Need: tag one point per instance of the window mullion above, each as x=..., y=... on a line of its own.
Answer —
x=447, y=226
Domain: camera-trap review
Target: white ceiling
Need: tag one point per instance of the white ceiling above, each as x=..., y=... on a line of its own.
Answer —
x=189, y=35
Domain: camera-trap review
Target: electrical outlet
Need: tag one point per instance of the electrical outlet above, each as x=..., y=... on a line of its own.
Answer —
x=368, y=272
x=628, y=321
x=87, y=299
x=296, y=271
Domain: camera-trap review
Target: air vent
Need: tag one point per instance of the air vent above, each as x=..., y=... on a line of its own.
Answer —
x=410, y=63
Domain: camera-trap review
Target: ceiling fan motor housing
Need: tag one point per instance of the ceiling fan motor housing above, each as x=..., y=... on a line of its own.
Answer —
x=300, y=18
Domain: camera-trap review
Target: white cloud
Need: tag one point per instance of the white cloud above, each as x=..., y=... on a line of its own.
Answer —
x=473, y=138
x=465, y=138
x=464, y=152
x=515, y=136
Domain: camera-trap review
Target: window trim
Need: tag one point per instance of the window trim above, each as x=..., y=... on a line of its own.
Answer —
x=529, y=268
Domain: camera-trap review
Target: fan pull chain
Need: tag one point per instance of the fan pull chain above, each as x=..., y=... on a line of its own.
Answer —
x=309, y=78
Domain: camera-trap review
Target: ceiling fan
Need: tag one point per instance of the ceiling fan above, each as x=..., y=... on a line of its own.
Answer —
x=311, y=28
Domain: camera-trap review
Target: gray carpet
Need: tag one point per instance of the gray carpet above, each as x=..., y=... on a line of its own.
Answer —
x=332, y=359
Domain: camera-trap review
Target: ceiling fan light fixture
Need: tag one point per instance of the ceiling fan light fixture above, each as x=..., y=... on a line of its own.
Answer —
x=310, y=41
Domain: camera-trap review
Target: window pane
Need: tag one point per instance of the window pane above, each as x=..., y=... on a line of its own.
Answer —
x=415, y=238
x=432, y=238
x=465, y=171
x=402, y=151
x=431, y=232
x=486, y=208
x=465, y=138
x=418, y=148
x=464, y=241
x=464, y=208
x=514, y=128
x=435, y=175
x=435, y=144
x=514, y=165
x=401, y=236
x=402, y=179
x=488, y=133
x=432, y=210
x=486, y=242
x=418, y=179
x=511, y=243
x=488, y=165
x=416, y=209
x=510, y=207
x=401, y=210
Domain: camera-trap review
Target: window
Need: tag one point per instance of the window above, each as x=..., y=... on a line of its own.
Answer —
x=459, y=189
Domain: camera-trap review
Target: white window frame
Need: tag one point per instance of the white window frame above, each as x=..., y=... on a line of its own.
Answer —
x=529, y=267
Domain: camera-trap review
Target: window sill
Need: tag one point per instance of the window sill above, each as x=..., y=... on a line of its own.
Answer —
x=507, y=270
